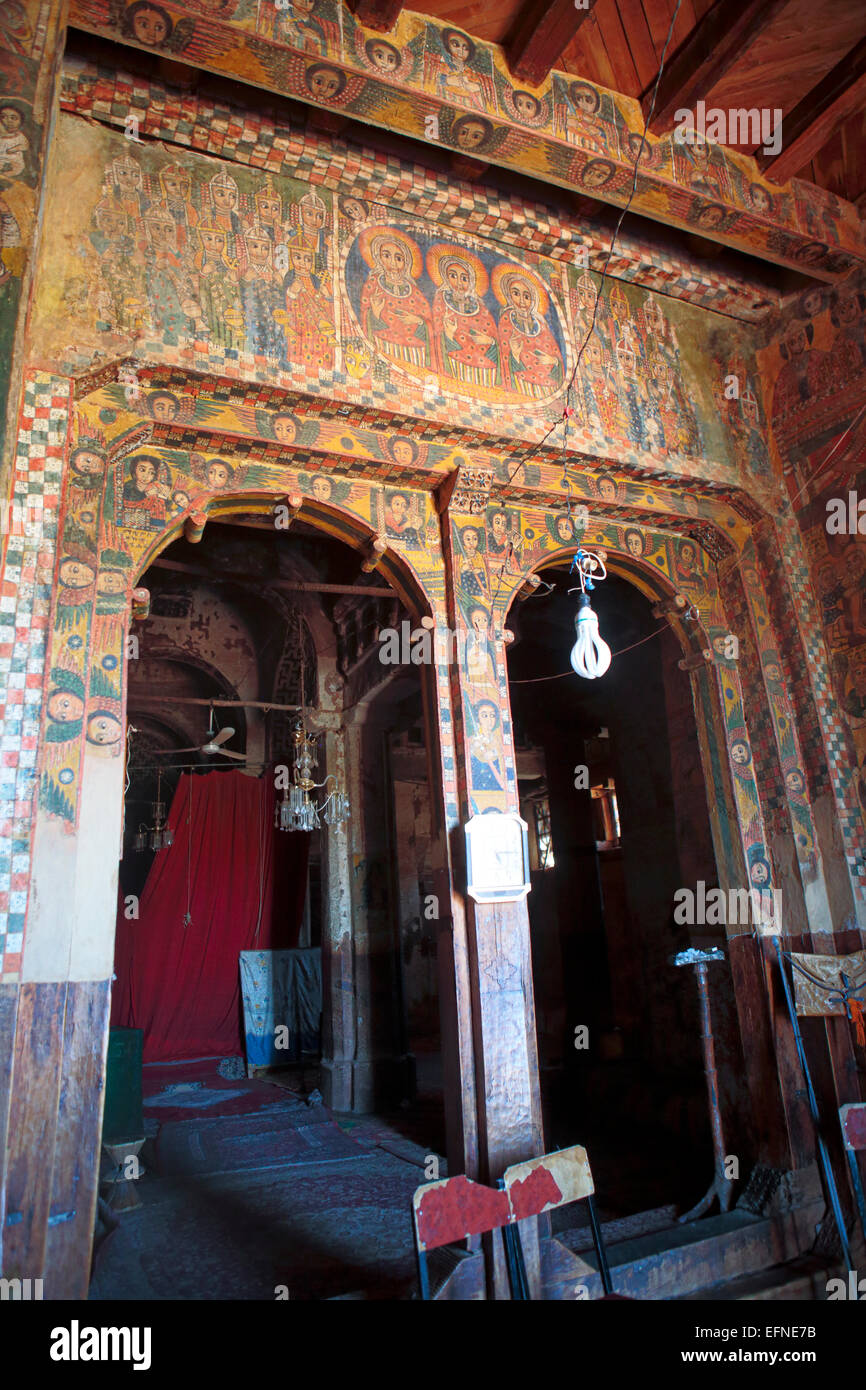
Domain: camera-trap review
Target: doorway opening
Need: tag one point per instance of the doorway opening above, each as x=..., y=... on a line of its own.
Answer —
x=290, y=1171
x=612, y=788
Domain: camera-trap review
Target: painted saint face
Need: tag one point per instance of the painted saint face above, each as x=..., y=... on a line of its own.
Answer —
x=498, y=525
x=10, y=119
x=526, y=106
x=758, y=872
x=458, y=48
x=75, y=574
x=259, y=249
x=564, y=529
x=760, y=198
x=144, y=473
x=687, y=557
x=487, y=719
x=302, y=260
x=86, y=461
x=384, y=57
x=111, y=224
x=402, y=451
x=740, y=753
x=470, y=541
x=176, y=188
x=393, y=259
x=270, y=208
x=459, y=278
x=471, y=135
x=773, y=673
x=64, y=707
x=180, y=500
x=399, y=507
x=794, y=782
x=149, y=26
x=213, y=243
x=111, y=582
x=164, y=408
x=352, y=208
x=224, y=197
x=607, y=490
x=634, y=545
x=127, y=178
x=859, y=677
x=521, y=296
x=478, y=619
x=324, y=83
x=217, y=475
x=285, y=429
x=103, y=728
x=322, y=488
x=312, y=216
x=585, y=99
x=162, y=235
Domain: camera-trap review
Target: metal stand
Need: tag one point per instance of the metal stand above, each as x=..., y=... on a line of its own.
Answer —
x=721, y=1187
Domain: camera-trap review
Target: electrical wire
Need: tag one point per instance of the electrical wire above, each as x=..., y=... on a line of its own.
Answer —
x=534, y=680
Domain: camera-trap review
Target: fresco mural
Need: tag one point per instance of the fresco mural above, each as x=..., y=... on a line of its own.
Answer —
x=816, y=365
x=22, y=37
x=430, y=80
x=269, y=278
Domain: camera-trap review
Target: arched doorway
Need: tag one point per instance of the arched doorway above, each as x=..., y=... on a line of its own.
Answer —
x=250, y=623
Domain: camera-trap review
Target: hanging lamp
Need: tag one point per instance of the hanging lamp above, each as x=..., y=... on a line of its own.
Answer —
x=590, y=655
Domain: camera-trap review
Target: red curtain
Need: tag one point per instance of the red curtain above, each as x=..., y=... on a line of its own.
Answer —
x=243, y=884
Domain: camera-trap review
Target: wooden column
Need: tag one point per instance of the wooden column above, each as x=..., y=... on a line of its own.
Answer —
x=500, y=1020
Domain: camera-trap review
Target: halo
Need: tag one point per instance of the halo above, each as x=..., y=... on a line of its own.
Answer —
x=365, y=241
x=437, y=254
x=508, y=268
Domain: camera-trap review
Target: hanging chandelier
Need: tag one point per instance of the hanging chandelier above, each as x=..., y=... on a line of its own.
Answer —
x=158, y=835
x=590, y=655
x=298, y=809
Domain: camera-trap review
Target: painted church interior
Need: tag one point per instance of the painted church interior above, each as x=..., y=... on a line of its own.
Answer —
x=433, y=649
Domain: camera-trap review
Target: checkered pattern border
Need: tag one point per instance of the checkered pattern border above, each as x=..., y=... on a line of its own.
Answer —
x=25, y=600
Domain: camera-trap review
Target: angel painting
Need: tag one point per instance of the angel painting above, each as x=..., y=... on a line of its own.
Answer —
x=458, y=68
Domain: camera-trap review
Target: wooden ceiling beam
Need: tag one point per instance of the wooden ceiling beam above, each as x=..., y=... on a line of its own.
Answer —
x=711, y=49
x=542, y=33
x=816, y=118
x=380, y=15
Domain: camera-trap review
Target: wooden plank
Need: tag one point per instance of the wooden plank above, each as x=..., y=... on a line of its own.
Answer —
x=8, y=1012
x=640, y=42
x=822, y=112
x=380, y=15
x=79, y=1126
x=32, y=1127
x=618, y=51
x=542, y=34
x=712, y=47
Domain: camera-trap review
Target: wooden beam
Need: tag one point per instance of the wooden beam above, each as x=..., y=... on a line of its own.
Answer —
x=816, y=118
x=717, y=42
x=266, y=582
x=542, y=34
x=380, y=15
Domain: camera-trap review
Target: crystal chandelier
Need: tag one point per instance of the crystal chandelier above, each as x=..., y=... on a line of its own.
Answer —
x=298, y=809
x=158, y=835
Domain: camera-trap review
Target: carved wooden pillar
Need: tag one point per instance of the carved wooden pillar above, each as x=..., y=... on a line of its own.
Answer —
x=498, y=1018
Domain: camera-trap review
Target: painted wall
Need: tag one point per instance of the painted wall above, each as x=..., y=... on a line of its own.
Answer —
x=172, y=258
x=814, y=368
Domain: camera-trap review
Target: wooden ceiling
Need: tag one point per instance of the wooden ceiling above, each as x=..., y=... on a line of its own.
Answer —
x=805, y=58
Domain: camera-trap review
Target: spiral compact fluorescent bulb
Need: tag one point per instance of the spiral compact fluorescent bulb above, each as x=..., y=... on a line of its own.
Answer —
x=590, y=655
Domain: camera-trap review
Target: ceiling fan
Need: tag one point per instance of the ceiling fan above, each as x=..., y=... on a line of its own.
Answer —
x=214, y=743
